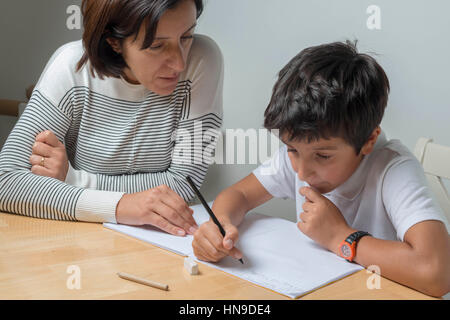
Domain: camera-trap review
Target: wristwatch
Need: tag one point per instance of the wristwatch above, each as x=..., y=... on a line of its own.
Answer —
x=347, y=248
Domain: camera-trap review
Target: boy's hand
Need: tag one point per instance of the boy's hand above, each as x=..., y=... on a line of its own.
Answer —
x=209, y=245
x=322, y=221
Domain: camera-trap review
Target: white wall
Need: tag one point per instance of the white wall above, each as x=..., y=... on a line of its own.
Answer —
x=257, y=38
x=30, y=31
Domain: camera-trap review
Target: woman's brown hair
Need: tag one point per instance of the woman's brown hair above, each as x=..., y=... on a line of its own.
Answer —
x=119, y=19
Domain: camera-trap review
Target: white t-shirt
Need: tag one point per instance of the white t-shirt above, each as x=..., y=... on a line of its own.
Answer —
x=385, y=196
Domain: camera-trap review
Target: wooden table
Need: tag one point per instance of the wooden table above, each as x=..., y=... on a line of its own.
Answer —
x=36, y=257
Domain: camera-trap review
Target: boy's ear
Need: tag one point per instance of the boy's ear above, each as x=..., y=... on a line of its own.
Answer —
x=368, y=146
x=115, y=45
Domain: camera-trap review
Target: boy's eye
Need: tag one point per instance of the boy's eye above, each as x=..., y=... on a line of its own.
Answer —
x=322, y=156
x=291, y=150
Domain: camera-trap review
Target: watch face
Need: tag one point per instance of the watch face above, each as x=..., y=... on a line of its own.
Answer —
x=346, y=251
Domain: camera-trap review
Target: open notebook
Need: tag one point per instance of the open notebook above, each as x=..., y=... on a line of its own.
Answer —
x=276, y=254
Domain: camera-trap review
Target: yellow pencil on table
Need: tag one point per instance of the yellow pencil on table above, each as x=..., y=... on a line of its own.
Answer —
x=140, y=280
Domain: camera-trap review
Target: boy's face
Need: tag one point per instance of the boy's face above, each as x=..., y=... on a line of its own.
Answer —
x=326, y=164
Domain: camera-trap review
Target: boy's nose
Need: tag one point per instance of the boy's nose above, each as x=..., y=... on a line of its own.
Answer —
x=303, y=171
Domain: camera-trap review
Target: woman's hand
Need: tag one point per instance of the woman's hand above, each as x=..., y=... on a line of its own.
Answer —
x=49, y=157
x=161, y=207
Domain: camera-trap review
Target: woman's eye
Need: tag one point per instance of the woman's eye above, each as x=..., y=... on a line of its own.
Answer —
x=187, y=38
x=156, y=46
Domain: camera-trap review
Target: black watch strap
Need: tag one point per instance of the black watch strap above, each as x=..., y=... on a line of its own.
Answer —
x=355, y=236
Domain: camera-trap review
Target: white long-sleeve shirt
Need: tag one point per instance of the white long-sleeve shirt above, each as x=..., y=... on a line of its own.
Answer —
x=121, y=137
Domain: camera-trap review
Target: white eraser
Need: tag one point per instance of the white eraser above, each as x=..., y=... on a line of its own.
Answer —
x=190, y=265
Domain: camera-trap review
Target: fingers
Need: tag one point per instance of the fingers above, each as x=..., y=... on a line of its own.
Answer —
x=163, y=224
x=302, y=224
x=235, y=253
x=169, y=205
x=36, y=160
x=310, y=194
x=202, y=254
x=205, y=250
x=171, y=199
x=209, y=245
x=304, y=217
x=231, y=236
x=172, y=216
x=49, y=138
x=42, y=149
x=149, y=207
x=41, y=171
x=307, y=206
x=51, y=158
x=230, y=239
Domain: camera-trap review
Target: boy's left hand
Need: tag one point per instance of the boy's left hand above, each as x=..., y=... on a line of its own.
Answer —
x=322, y=221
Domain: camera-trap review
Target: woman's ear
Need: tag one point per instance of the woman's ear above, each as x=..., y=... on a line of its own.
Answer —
x=115, y=45
x=369, y=145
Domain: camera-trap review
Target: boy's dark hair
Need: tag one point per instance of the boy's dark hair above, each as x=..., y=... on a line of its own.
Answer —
x=327, y=91
x=119, y=19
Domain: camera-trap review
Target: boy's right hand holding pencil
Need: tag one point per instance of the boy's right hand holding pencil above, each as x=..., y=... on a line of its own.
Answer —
x=210, y=245
x=230, y=208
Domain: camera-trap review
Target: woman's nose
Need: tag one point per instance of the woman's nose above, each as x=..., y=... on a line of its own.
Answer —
x=176, y=59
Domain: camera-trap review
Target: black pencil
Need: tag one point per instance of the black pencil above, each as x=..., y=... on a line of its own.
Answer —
x=207, y=208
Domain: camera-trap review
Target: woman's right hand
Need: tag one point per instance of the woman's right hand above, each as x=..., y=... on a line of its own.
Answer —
x=210, y=245
x=161, y=207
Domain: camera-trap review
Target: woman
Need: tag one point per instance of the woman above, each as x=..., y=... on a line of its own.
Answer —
x=123, y=103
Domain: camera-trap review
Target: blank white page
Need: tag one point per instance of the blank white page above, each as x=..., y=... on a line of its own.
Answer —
x=277, y=255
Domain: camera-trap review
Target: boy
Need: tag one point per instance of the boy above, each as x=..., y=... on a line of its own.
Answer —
x=357, y=194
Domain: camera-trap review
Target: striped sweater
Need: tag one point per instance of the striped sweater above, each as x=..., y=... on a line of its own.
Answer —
x=122, y=137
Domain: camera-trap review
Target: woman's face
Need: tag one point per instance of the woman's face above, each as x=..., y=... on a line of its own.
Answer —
x=158, y=67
